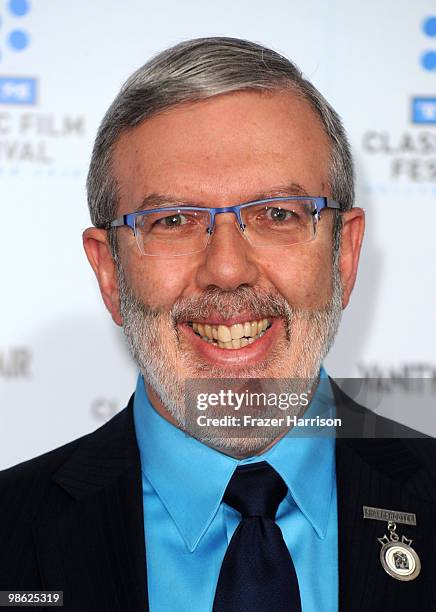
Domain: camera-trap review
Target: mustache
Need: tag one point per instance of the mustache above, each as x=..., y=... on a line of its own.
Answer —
x=258, y=302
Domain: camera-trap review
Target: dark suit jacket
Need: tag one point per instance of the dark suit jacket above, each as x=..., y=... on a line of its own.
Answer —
x=72, y=519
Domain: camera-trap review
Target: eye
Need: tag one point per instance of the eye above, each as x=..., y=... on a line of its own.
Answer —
x=175, y=220
x=279, y=214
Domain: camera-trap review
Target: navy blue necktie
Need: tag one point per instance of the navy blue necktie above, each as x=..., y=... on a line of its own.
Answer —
x=257, y=573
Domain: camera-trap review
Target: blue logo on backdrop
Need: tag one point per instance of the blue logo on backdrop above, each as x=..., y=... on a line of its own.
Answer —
x=424, y=110
x=17, y=90
x=428, y=58
x=32, y=140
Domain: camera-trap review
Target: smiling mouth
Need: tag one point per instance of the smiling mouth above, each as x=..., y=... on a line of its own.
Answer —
x=231, y=336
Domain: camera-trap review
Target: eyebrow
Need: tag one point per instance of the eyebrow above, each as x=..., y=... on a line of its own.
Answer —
x=158, y=200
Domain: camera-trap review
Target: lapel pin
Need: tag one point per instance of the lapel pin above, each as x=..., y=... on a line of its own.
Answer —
x=397, y=556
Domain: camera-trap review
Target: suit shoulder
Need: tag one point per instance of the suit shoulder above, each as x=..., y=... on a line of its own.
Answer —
x=35, y=473
x=37, y=468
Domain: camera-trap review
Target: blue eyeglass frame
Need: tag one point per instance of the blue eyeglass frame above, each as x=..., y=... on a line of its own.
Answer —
x=321, y=202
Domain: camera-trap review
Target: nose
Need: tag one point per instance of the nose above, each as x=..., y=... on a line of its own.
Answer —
x=228, y=262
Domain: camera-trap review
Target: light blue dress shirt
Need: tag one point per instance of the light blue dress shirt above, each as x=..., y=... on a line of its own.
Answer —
x=187, y=528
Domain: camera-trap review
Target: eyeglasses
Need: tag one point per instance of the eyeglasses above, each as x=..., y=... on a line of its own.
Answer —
x=182, y=230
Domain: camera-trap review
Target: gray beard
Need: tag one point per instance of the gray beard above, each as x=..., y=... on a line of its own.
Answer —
x=155, y=345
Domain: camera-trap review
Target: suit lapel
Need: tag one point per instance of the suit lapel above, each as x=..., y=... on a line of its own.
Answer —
x=89, y=534
x=382, y=473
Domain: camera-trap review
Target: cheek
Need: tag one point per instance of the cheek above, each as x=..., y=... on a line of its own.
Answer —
x=302, y=277
x=160, y=282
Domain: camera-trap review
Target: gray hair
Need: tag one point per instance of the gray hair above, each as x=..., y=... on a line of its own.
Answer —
x=195, y=70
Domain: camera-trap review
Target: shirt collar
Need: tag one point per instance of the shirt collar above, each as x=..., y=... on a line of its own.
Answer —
x=175, y=465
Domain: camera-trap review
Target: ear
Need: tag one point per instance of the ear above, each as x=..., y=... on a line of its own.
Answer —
x=99, y=255
x=353, y=227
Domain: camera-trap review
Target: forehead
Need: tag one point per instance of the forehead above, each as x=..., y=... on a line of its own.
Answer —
x=228, y=148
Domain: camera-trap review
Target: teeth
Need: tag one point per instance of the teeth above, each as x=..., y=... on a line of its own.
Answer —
x=224, y=333
x=235, y=336
x=237, y=331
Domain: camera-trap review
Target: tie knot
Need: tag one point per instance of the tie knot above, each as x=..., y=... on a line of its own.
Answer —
x=255, y=489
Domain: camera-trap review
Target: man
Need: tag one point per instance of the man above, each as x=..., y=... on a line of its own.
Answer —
x=226, y=244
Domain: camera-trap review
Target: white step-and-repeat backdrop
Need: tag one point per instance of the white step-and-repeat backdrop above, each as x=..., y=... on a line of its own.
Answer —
x=64, y=368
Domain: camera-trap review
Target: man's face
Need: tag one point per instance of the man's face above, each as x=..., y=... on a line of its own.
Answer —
x=228, y=150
